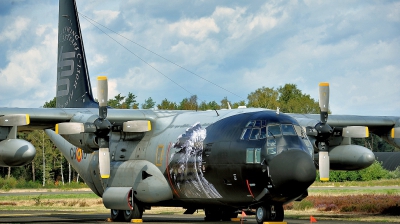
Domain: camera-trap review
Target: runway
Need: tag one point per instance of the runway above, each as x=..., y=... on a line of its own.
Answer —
x=76, y=217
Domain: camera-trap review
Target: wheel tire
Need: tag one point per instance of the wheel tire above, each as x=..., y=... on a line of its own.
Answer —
x=136, y=213
x=117, y=215
x=279, y=213
x=262, y=214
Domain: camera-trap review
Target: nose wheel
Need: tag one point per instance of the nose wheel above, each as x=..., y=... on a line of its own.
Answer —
x=269, y=213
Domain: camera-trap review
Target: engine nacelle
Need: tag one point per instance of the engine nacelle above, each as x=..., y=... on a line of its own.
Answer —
x=350, y=157
x=118, y=198
x=393, y=137
x=16, y=152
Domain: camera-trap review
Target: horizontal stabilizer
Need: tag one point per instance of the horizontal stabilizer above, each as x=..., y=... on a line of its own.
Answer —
x=14, y=120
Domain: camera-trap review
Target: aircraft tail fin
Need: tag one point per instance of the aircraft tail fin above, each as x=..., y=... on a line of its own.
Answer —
x=73, y=82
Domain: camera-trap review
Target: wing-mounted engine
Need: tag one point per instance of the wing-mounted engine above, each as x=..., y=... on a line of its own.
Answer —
x=93, y=132
x=333, y=144
x=393, y=136
x=13, y=151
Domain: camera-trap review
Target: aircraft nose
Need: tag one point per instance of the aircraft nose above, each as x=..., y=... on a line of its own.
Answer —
x=292, y=172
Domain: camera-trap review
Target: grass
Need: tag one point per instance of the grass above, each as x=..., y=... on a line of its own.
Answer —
x=335, y=191
x=370, y=204
x=372, y=183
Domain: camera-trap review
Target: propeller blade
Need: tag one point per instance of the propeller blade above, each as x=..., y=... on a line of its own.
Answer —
x=14, y=120
x=356, y=132
x=104, y=162
x=102, y=94
x=323, y=166
x=69, y=128
x=324, y=101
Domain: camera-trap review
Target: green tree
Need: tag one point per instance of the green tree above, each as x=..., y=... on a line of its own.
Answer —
x=51, y=103
x=237, y=104
x=288, y=98
x=123, y=102
x=292, y=100
x=116, y=102
x=148, y=103
x=263, y=98
x=225, y=102
x=189, y=103
x=167, y=105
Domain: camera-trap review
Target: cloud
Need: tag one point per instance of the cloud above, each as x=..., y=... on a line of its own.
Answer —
x=13, y=31
x=105, y=16
x=197, y=29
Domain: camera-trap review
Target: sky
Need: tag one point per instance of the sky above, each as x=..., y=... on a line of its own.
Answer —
x=212, y=49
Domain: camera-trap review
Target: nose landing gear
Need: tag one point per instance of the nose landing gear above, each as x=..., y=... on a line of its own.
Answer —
x=269, y=213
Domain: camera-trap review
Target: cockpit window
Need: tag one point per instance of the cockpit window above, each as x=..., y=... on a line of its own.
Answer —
x=263, y=133
x=287, y=129
x=250, y=124
x=302, y=133
x=255, y=134
x=274, y=130
x=246, y=133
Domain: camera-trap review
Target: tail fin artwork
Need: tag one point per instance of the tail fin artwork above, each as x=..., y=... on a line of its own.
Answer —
x=73, y=83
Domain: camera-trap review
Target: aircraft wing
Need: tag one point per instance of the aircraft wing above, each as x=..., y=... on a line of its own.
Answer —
x=47, y=118
x=375, y=124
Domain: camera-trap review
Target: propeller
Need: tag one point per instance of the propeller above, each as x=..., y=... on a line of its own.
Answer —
x=322, y=132
x=101, y=127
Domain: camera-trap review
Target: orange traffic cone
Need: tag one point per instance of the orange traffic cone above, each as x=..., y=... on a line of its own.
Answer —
x=312, y=219
x=243, y=215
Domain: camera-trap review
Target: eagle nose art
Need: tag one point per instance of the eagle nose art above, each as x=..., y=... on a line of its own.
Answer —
x=292, y=171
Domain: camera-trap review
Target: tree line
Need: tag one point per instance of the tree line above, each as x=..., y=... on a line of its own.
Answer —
x=50, y=167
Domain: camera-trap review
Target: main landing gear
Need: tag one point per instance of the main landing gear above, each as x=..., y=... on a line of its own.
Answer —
x=266, y=213
x=127, y=215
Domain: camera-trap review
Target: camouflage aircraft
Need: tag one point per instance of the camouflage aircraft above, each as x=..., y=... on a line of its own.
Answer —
x=223, y=161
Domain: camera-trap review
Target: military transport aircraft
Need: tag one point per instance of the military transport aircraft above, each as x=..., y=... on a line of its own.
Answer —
x=224, y=161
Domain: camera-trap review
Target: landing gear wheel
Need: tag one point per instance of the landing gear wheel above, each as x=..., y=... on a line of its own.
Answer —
x=269, y=213
x=136, y=213
x=117, y=215
x=261, y=215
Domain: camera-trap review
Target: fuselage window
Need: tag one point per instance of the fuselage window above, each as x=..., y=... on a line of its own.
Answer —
x=255, y=134
x=253, y=155
x=257, y=155
x=250, y=155
x=287, y=129
x=257, y=124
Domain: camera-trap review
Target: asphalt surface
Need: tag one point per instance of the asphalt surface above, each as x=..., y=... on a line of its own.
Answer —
x=19, y=216
x=75, y=217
